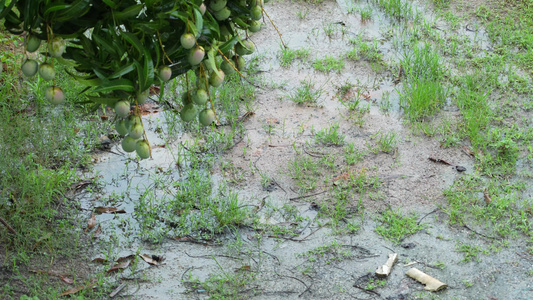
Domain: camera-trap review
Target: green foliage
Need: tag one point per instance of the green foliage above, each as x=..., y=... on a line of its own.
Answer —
x=119, y=49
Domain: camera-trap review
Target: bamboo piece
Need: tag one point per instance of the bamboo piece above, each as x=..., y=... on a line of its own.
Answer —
x=385, y=270
x=432, y=284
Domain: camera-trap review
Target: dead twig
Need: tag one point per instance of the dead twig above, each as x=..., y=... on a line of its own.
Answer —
x=117, y=290
x=429, y=213
x=8, y=226
x=210, y=256
x=306, y=196
x=480, y=234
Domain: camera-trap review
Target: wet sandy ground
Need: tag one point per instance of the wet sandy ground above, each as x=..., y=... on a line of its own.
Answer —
x=275, y=268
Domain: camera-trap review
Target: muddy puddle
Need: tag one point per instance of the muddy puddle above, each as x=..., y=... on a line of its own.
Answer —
x=290, y=247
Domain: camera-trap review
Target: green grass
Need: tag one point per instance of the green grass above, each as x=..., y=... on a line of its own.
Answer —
x=306, y=94
x=329, y=63
x=288, y=55
x=330, y=136
x=394, y=226
x=43, y=147
x=365, y=50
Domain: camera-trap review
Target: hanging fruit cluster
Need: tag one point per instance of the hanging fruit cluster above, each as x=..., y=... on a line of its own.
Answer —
x=120, y=48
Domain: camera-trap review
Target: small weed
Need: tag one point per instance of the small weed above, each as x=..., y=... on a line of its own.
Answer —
x=329, y=63
x=375, y=283
x=306, y=94
x=387, y=142
x=470, y=252
x=330, y=136
x=302, y=15
x=364, y=50
x=352, y=155
x=366, y=13
x=395, y=227
x=467, y=283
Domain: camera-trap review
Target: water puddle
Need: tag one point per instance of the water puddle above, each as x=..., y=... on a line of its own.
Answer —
x=287, y=252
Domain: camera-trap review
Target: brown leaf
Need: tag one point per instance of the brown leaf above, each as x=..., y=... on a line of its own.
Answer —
x=149, y=259
x=108, y=210
x=487, y=197
x=119, y=266
x=243, y=268
x=129, y=257
x=99, y=260
x=92, y=222
x=97, y=232
x=65, y=279
x=78, y=288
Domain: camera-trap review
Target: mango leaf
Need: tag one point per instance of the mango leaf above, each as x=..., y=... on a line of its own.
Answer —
x=66, y=62
x=123, y=71
x=118, y=84
x=110, y=3
x=104, y=45
x=133, y=40
x=229, y=44
x=211, y=63
x=192, y=28
x=130, y=12
x=103, y=100
x=74, y=11
x=53, y=7
x=199, y=20
x=145, y=73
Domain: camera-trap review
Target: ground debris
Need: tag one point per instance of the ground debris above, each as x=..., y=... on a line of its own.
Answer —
x=385, y=269
x=432, y=284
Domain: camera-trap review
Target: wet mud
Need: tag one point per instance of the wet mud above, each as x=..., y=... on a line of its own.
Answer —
x=318, y=262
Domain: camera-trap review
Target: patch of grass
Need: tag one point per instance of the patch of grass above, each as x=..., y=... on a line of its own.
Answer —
x=366, y=13
x=306, y=172
x=306, y=94
x=352, y=154
x=470, y=252
x=330, y=136
x=289, y=55
x=332, y=252
x=396, y=8
x=328, y=64
x=497, y=207
x=364, y=50
x=394, y=226
x=387, y=141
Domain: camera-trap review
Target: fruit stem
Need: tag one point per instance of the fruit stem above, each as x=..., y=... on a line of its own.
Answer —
x=163, y=49
x=137, y=112
x=202, y=73
x=272, y=22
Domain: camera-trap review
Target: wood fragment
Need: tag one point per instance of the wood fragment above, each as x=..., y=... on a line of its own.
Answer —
x=13, y=231
x=117, y=290
x=487, y=197
x=386, y=269
x=438, y=160
x=432, y=284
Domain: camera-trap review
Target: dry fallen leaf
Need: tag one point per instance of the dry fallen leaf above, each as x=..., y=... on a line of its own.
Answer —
x=99, y=260
x=119, y=266
x=65, y=279
x=123, y=258
x=108, y=210
x=91, y=223
x=243, y=268
x=97, y=232
x=149, y=259
x=79, y=288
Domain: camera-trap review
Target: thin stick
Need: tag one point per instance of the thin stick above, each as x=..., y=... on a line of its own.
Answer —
x=272, y=22
x=306, y=196
x=8, y=226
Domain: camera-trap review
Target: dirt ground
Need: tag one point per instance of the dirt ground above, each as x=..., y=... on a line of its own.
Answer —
x=319, y=263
